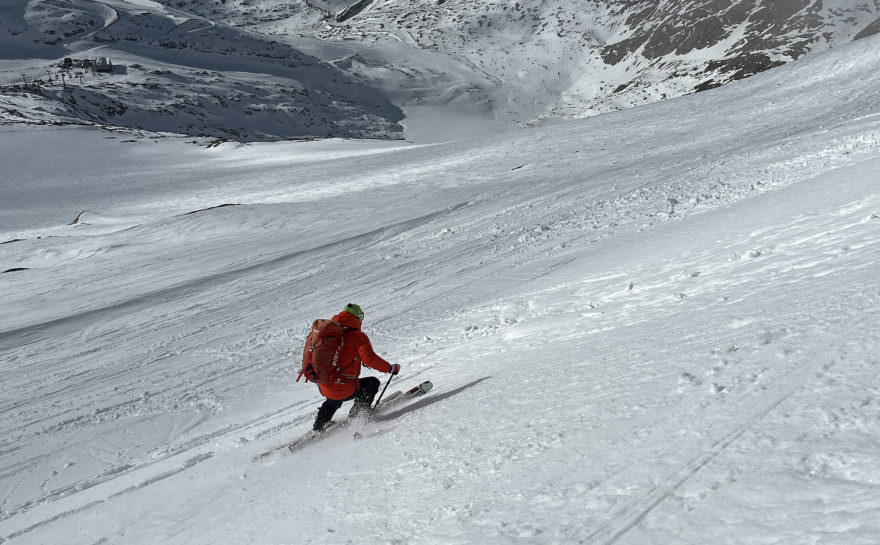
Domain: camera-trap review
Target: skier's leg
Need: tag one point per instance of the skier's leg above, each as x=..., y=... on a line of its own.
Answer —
x=325, y=413
x=367, y=390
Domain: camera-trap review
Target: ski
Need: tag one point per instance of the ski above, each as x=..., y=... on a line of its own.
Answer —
x=335, y=427
x=331, y=429
x=399, y=396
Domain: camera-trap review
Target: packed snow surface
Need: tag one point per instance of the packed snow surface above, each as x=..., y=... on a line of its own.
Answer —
x=652, y=326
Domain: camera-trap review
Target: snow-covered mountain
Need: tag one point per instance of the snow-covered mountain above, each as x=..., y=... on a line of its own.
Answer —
x=652, y=326
x=561, y=58
x=271, y=69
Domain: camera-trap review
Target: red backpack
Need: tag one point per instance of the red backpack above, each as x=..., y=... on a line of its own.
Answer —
x=321, y=354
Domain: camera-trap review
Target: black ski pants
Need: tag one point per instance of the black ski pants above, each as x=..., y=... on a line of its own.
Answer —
x=368, y=387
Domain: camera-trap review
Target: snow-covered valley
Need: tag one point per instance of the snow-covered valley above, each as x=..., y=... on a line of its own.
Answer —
x=651, y=326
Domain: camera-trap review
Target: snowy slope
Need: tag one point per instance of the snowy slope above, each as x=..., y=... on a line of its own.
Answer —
x=651, y=326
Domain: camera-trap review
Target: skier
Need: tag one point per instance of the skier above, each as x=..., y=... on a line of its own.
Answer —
x=356, y=349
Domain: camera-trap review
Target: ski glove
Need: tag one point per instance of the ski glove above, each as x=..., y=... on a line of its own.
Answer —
x=395, y=368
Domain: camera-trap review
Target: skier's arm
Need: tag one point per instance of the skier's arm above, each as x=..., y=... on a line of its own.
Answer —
x=370, y=358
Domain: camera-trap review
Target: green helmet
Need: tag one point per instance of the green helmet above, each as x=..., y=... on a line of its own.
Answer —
x=354, y=309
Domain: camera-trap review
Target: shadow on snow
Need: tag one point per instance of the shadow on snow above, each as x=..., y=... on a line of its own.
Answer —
x=428, y=401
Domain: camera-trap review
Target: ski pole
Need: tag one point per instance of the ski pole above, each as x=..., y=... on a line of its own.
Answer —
x=383, y=392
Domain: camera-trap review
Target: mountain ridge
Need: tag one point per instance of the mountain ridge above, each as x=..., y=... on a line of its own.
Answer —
x=389, y=69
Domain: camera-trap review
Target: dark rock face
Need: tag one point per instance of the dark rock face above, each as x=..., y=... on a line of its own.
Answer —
x=352, y=10
x=870, y=30
x=771, y=32
x=679, y=28
x=743, y=66
x=680, y=31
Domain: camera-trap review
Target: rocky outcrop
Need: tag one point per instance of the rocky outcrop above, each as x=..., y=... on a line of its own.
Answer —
x=352, y=10
x=870, y=30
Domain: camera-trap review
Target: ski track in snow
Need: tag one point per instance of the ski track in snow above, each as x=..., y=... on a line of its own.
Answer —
x=633, y=334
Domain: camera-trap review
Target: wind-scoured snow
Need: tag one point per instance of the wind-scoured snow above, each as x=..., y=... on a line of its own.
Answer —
x=651, y=326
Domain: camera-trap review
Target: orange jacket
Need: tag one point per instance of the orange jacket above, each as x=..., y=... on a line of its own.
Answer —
x=356, y=350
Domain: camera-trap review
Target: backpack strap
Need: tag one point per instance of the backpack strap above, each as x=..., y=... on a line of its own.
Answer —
x=352, y=362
